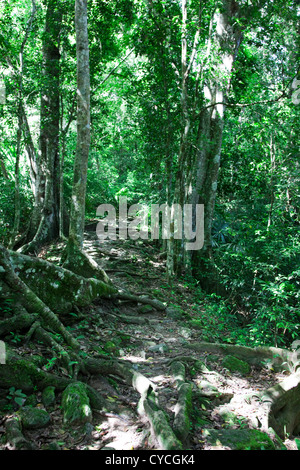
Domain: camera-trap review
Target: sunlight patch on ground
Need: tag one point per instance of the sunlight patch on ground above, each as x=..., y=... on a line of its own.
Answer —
x=159, y=378
x=133, y=359
x=119, y=435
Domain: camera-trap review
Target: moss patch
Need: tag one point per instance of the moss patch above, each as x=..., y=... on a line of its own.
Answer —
x=239, y=439
x=76, y=404
x=236, y=365
x=34, y=418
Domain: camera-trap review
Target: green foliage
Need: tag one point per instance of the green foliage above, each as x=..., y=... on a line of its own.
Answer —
x=7, y=207
x=136, y=123
x=16, y=396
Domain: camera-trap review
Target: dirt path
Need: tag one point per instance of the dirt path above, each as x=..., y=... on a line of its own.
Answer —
x=150, y=345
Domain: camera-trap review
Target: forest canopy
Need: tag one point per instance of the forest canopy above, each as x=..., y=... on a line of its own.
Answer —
x=177, y=103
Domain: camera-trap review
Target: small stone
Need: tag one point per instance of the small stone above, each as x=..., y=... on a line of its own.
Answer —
x=161, y=348
x=175, y=313
x=31, y=400
x=76, y=404
x=34, y=418
x=185, y=332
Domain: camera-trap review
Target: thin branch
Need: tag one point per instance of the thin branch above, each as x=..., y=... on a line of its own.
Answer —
x=241, y=105
x=116, y=67
x=284, y=94
x=71, y=116
x=194, y=50
x=29, y=26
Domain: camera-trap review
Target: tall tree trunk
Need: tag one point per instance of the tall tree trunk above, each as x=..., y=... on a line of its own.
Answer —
x=74, y=257
x=76, y=229
x=176, y=252
x=45, y=217
x=17, y=201
x=227, y=40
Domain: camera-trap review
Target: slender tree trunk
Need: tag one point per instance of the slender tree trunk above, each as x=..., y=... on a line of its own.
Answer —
x=17, y=176
x=74, y=257
x=226, y=41
x=30, y=151
x=17, y=214
x=76, y=229
x=272, y=171
x=175, y=252
x=197, y=176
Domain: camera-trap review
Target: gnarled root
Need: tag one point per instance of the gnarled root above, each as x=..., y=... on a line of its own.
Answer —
x=183, y=406
x=283, y=406
x=280, y=359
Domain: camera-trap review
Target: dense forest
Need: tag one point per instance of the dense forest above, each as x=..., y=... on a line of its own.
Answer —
x=149, y=225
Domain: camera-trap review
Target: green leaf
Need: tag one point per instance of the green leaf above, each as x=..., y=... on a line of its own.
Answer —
x=19, y=400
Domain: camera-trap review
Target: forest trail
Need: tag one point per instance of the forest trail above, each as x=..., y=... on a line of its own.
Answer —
x=150, y=340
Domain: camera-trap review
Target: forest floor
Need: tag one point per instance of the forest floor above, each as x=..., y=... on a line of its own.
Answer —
x=147, y=339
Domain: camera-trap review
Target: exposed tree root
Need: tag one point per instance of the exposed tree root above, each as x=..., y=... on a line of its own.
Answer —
x=18, y=322
x=183, y=407
x=282, y=401
x=23, y=374
x=36, y=282
x=14, y=435
x=131, y=319
x=283, y=406
x=64, y=358
x=45, y=292
x=141, y=299
x=159, y=423
x=280, y=359
x=59, y=288
x=80, y=263
x=131, y=273
x=148, y=402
